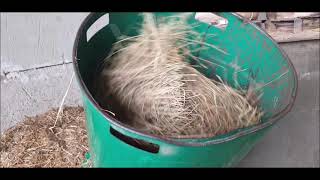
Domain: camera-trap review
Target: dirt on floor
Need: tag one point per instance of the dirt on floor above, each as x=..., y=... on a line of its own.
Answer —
x=36, y=142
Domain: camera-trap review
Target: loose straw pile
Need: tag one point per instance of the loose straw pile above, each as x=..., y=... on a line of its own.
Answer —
x=150, y=79
x=32, y=143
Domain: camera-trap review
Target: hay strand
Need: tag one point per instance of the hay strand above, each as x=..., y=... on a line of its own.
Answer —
x=62, y=102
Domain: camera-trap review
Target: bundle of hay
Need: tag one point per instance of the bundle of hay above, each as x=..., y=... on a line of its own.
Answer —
x=149, y=79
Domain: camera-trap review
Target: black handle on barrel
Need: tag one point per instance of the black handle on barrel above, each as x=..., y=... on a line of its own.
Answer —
x=137, y=143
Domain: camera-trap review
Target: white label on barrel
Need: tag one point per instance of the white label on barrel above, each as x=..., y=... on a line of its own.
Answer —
x=212, y=19
x=97, y=26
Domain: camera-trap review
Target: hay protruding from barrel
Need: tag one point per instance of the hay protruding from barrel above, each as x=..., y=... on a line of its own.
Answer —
x=149, y=77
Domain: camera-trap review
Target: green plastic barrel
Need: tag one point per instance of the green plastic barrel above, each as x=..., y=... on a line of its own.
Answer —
x=254, y=55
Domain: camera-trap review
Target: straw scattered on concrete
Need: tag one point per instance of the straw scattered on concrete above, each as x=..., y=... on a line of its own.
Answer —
x=32, y=144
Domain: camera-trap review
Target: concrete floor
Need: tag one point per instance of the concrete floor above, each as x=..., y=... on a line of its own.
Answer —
x=293, y=142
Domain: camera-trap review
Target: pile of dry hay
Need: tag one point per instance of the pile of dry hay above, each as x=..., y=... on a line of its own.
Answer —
x=148, y=77
x=32, y=143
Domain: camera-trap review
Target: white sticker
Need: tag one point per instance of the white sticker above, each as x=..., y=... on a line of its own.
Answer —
x=212, y=19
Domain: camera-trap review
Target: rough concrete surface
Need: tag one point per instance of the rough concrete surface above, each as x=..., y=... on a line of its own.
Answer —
x=44, y=38
x=32, y=47
x=36, y=91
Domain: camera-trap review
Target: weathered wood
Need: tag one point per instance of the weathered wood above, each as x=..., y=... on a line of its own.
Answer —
x=287, y=27
x=281, y=36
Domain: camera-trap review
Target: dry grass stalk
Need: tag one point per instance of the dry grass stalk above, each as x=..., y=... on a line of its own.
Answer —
x=60, y=110
x=162, y=93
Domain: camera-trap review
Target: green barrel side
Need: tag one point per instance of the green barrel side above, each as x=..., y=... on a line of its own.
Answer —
x=107, y=150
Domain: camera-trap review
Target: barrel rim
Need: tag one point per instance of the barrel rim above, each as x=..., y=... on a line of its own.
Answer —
x=175, y=141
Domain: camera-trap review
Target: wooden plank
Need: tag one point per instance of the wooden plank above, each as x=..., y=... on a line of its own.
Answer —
x=310, y=34
x=279, y=17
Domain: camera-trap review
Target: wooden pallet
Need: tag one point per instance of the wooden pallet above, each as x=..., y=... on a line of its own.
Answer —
x=288, y=27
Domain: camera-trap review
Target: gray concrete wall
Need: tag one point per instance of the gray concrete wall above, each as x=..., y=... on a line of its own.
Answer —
x=36, y=51
x=30, y=40
x=33, y=80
